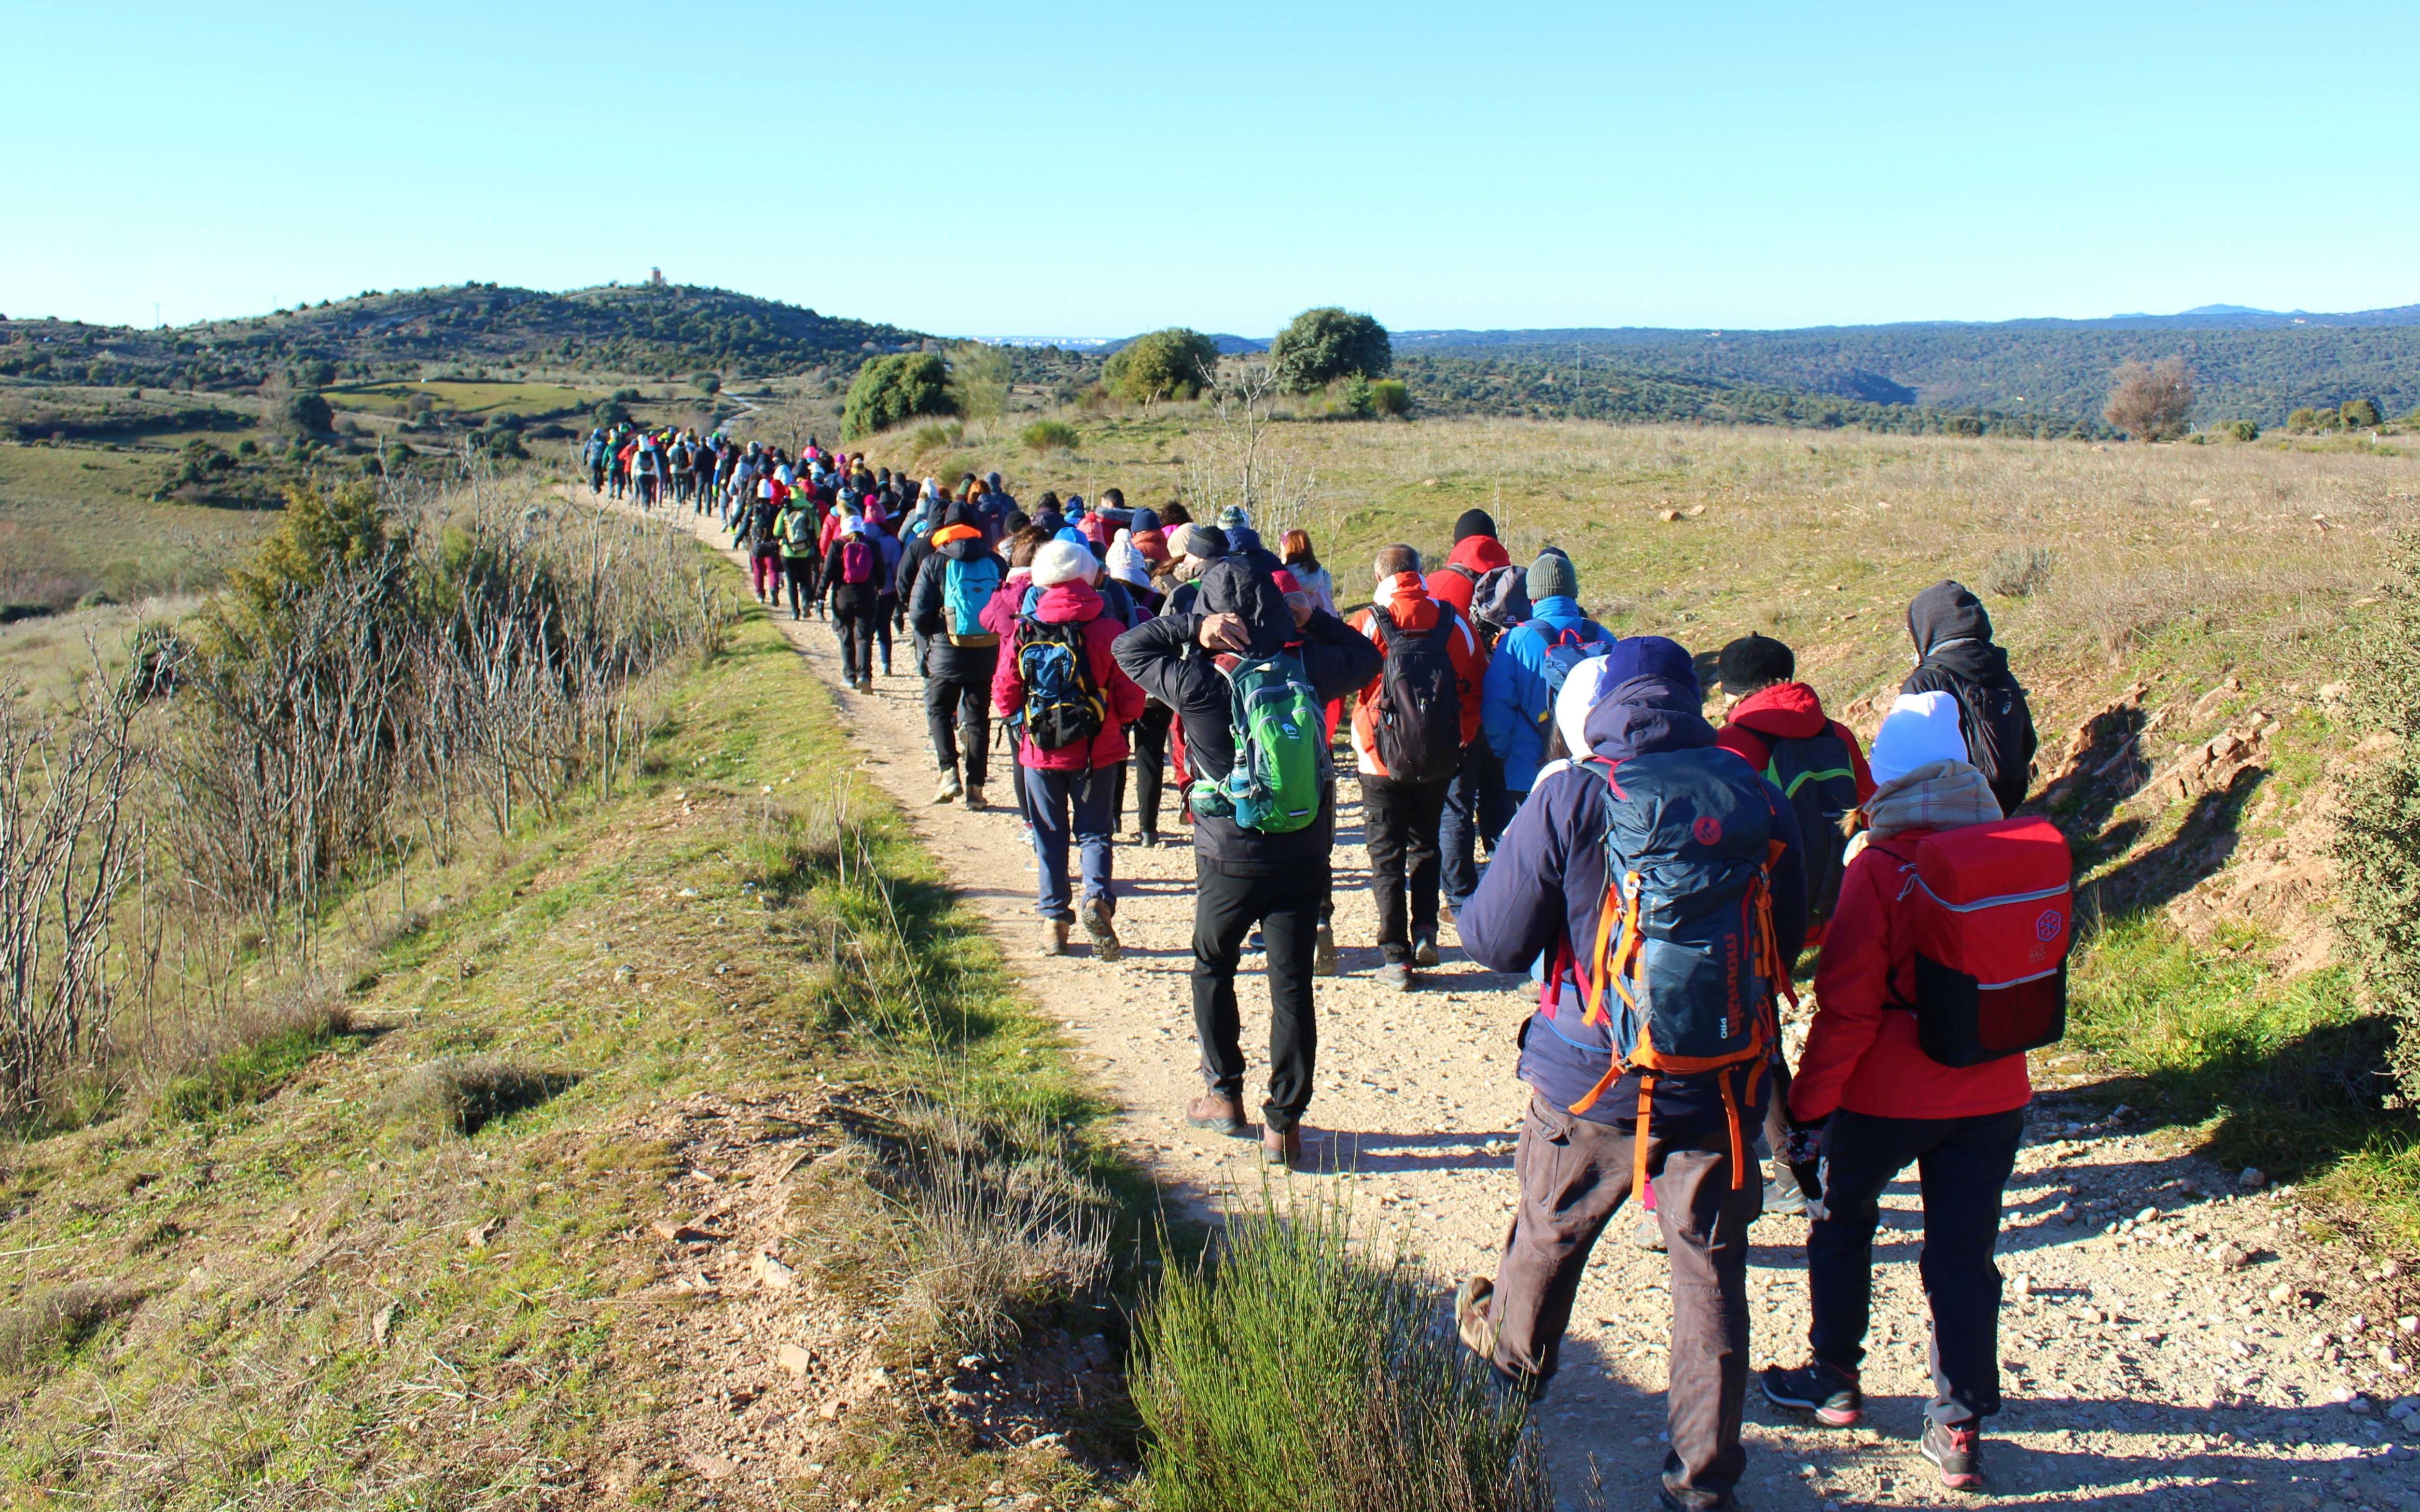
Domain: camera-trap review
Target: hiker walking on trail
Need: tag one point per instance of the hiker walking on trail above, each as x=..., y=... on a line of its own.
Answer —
x=1921, y=1060
x=1264, y=814
x=957, y=651
x=760, y=531
x=1777, y=726
x=1072, y=702
x=1492, y=595
x=1954, y=655
x=851, y=570
x=1409, y=727
x=886, y=581
x=796, y=527
x=1528, y=665
x=1661, y=881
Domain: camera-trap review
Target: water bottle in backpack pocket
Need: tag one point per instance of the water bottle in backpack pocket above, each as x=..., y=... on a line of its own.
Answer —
x=1280, y=733
x=1062, y=705
x=1994, y=914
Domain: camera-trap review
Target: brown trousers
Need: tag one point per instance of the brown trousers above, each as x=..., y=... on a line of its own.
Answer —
x=1574, y=1176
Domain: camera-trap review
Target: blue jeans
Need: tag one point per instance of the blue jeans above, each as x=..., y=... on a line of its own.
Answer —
x=1962, y=1165
x=1058, y=805
x=1477, y=808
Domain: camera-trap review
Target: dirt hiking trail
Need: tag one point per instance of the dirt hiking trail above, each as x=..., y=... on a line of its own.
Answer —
x=2167, y=1336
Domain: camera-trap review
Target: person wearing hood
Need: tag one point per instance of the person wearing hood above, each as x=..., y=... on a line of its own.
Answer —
x=1246, y=876
x=993, y=505
x=1149, y=539
x=1520, y=688
x=1057, y=675
x=957, y=651
x=852, y=584
x=1874, y=1103
x=1477, y=808
x=1422, y=707
x=1954, y=655
x=1649, y=776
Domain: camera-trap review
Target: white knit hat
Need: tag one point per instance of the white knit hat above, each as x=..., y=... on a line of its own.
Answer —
x=1062, y=561
x=1921, y=729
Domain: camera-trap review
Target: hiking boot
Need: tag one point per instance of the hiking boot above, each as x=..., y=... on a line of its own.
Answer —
x=1424, y=950
x=1053, y=938
x=1105, y=935
x=1323, y=953
x=948, y=792
x=1470, y=1319
x=1783, y=1198
x=1281, y=1146
x=1649, y=1236
x=1148, y=840
x=974, y=798
x=1957, y=1450
x=1395, y=976
x=1217, y=1112
x=1827, y=1391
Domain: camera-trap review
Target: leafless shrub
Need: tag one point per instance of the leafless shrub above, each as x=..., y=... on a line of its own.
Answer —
x=66, y=844
x=2018, y=571
x=2150, y=401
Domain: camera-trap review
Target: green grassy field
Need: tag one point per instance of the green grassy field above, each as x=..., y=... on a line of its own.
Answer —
x=466, y=396
x=75, y=519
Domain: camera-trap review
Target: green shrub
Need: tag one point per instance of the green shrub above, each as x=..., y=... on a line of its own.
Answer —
x=2243, y=430
x=1391, y=398
x=2377, y=836
x=1287, y=1371
x=892, y=388
x=1046, y=435
x=304, y=412
x=2360, y=414
x=1319, y=346
x=1174, y=364
x=706, y=383
x=610, y=412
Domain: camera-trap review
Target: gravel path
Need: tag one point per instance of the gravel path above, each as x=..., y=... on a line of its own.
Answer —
x=2167, y=1335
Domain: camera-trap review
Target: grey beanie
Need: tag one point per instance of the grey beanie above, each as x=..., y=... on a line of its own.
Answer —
x=1552, y=576
x=1202, y=541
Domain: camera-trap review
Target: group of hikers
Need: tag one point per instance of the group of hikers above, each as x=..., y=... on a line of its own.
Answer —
x=1559, y=794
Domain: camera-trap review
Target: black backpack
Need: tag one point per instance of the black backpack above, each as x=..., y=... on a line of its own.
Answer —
x=1996, y=720
x=1417, y=717
x=1819, y=777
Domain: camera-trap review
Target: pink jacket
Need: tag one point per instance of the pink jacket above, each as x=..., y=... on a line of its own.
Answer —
x=1000, y=615
x=1059, y=605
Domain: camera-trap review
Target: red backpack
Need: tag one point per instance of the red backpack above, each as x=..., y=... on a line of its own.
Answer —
x=1995, y=915
x=855, y=560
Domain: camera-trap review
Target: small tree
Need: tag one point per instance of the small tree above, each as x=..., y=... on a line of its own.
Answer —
x=2150, y=402
x=1318, y=347
x=706, y=383
x=2360, y=414
x=1174, y=364
x=889, y=390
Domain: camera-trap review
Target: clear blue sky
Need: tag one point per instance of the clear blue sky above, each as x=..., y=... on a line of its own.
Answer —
x=1098, y=169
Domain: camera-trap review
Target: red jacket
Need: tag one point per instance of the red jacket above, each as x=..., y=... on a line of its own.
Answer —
x=1058, y=605
x=1481, y=555
x=1786, y=711
x=1408, y=602
x=1861, y=1054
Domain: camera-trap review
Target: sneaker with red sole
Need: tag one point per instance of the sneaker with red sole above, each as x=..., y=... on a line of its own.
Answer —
x=1957, y=1450
x=1827, y=1391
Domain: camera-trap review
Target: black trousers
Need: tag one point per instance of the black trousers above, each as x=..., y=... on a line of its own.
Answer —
x=957, y=712
x=855, y=615
x=1962, y=1166
x=885, y=608
x=800, y=574
x=1287, y=909
x=1400, y=821
x=1150, y=740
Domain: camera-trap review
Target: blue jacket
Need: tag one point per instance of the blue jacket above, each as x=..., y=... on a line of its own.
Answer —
x=1545, y=881
x=1515, y=698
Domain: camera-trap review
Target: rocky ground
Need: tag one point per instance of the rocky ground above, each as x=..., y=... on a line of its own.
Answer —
x=2168, y=1333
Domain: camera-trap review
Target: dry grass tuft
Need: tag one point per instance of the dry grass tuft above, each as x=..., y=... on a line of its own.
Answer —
x=50, y=1322
x=462, y=1095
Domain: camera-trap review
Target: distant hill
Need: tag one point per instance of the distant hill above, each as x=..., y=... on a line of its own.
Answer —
x=2248, y=363
x=667, y=329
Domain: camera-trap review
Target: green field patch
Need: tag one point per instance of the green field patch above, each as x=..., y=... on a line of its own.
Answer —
x=470, y=396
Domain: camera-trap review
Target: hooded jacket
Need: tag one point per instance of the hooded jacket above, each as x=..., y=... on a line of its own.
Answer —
x=1862, y=1053
x=1407, y=603
x=1475, y=556
x=1952, y=632
x=1786, y=711
x=1166, y=656
x=927, y=612
x=1546, y=881
x=1061, y=604
x=1515, y=701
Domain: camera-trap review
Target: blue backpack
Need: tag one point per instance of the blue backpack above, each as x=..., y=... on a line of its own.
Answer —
x=1063, y=708
x=966, y=588
x=1566, y=648
x=1683, y=972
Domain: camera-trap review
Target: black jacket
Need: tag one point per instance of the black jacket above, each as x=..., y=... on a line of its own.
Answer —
x=1165, y=656
x=1954, y=655
x=926, y=612
x=857, y=599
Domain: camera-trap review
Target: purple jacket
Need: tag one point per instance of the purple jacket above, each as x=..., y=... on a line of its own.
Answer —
x=1545, y=881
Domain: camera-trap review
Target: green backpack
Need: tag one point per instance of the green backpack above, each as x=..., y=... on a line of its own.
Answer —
x=1282, y=764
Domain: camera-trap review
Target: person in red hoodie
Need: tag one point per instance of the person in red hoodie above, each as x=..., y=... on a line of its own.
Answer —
x=1422, y=710
x=1074, y=704
x=1475, y=803
x=1869, y=1099
x=1778, y=726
